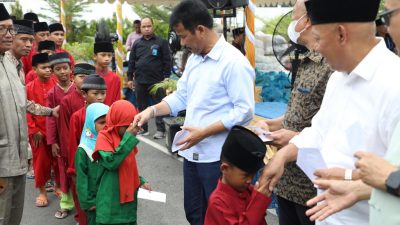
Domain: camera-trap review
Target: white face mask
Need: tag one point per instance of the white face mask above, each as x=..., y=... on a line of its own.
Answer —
x=292, y=33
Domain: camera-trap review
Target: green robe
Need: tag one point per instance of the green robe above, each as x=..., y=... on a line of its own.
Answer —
x=109, y=210
x=86, y=175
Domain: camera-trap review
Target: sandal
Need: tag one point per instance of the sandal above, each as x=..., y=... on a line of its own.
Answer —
x=49, y=186
x=61, y=213
x=41, y=201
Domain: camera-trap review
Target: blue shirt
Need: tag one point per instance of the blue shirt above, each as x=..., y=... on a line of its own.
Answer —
x=216, y=87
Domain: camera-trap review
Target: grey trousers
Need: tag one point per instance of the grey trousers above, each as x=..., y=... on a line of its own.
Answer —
x=12, y=195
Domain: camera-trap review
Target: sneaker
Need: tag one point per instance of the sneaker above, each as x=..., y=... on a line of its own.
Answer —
x=143, y=133
x=159, y=135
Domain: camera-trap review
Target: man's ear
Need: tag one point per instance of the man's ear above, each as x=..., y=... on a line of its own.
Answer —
x=342, y=34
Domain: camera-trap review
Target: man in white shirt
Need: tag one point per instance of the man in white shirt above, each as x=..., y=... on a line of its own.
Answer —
x=361, y=104
x=216, y=89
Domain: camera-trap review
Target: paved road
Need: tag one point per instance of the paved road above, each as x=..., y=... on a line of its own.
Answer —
x=164, y=172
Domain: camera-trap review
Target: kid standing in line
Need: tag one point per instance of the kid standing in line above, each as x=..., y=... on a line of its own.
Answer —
x=235, y=201
x=61, y=66
x=86, y=168
x=42, y=158
x=118, y=177
x=103, y=53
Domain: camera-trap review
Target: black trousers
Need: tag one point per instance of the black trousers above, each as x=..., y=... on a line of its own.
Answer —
x=291, y=213
x=144, y=100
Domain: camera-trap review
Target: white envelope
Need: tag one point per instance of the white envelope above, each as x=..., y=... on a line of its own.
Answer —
x=264, y=134
x=179, y=136
x=152, y=195
x=309, y=160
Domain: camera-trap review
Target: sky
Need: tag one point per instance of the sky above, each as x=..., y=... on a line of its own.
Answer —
x=97, y=11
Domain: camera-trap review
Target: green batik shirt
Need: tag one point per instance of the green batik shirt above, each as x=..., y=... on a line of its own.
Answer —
x=307, y=94
x=109, y=210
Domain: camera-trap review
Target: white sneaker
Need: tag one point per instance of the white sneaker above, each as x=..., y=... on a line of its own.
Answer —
x=159, y=135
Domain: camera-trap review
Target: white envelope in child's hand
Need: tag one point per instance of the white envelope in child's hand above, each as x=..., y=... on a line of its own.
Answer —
x=152, y=195
x=179, y=136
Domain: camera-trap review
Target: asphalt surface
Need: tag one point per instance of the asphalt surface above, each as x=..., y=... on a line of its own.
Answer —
x=162, y=169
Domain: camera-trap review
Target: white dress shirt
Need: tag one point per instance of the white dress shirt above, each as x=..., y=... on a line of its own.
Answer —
x=359, y=112
x=216, y=87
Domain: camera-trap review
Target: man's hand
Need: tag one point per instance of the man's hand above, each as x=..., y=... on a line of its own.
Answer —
x=339, y=195
x=195, y=136
x=55, y=149
x=133, y=129
x=37, y=139
x=334, y=173
x=55, y=111
x=374, y=170
x=143, y=117
x=271, y=174
x=282, y=137
x=130, y=84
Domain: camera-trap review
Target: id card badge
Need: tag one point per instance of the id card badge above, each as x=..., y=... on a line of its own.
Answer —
x=154, y=50
x=196, y=156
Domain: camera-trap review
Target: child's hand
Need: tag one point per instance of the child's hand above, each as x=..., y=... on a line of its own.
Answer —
x=133, y=129
x=92, y=208
x=146, y=186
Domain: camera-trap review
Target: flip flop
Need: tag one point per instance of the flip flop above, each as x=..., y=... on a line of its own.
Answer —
x=61, y=213
x=41, y=201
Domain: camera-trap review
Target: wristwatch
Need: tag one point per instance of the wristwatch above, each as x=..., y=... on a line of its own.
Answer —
x=393, y=183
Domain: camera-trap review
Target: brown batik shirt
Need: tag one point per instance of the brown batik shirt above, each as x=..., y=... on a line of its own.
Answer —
x=307, y=94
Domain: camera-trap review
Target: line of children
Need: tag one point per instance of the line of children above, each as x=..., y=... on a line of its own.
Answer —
x=70, y=104
x=86, y=168
x=117, y=176
x=235, y=200
x=61, y=67
x=42, y=158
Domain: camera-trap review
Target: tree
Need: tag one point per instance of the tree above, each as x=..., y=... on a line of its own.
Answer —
x=73, y=10
x=16, y=10
x=159, y=14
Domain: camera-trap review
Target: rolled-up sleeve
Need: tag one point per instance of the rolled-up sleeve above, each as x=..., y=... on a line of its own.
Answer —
x=240, y=87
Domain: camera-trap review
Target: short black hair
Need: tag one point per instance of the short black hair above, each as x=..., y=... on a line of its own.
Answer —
x=191, y=13
x=136, y=22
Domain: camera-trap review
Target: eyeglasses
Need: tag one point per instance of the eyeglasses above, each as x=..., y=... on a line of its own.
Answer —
x=4, y=30
x=387, y=15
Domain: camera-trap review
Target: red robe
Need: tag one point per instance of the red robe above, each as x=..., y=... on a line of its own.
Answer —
x=74, y=137
x=113, y=83
x=27, y=60
x=227, y=206
x=32, y=75
x=42, y=157
x=55, y=95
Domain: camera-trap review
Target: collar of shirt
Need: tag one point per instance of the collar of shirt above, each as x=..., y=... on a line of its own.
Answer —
x=367, y=67
x=232, y=192
x=217, y=50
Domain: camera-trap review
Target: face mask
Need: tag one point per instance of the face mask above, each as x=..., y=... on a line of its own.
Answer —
x=292, y=33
